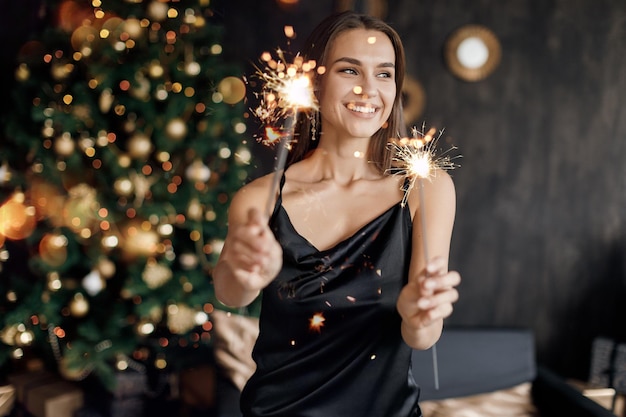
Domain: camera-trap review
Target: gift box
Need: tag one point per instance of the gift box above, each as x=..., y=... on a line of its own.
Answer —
x=608, y=364
x=43, y=394
x=125, y=407
x=606, y=397
x=130, y=384
x=7, y=399
x=126, y=399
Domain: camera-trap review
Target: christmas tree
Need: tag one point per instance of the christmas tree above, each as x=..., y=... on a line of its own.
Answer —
x=121, y=151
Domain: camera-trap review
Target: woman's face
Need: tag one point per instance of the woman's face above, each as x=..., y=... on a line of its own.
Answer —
x=358, y=88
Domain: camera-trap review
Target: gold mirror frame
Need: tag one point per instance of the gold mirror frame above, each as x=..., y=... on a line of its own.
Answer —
x=481, y=37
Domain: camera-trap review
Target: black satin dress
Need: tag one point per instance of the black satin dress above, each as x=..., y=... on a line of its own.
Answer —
x=330, y=342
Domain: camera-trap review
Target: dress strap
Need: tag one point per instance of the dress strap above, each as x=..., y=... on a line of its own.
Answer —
x=279, y=198
x=406, y=184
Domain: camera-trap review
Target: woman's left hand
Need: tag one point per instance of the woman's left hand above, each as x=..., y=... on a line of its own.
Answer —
x=430, y=297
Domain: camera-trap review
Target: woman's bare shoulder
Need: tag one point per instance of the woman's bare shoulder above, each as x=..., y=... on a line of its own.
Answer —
x=253, y=194
x=438, y=188
x=255, y=187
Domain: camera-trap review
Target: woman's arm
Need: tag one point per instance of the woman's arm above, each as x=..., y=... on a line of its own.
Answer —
x=430, y=292
x=251, y=257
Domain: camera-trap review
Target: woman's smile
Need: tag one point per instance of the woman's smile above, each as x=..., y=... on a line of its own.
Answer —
x=361, y=108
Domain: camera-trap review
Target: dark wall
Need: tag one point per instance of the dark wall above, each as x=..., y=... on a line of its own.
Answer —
x=540, y=236
x=18, y=21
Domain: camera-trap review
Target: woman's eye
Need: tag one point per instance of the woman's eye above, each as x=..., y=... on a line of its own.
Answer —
x=348, y=71
x=385, y=75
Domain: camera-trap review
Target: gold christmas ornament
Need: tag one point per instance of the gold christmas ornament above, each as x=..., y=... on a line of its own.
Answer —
x=106, y=267
x=141, y=88
x=195, y=210
x=5, y=173
x=176, y=129
x=198, y=172
x=133, y=27
x=139, y=146
x=232, y=89
x=139, y=239
x=64, y=145
x=123, y=187
x=155, y=274
x=188, y=260
x=79, y=306
x=141, y=186
x=22, y=72
x=192, y=68
x=93, y=283
x=8, y=334
x=53, y=249
x=157, y=10
x=145, y=327
x=124, y=160
x=17, y=220
x=105, y=100
x=81, y=208
x=84, y=39
x=48, y=201
x=180, y=318
x=54, y=281
x=61, y=70
x=155, y=70
x=24, y=337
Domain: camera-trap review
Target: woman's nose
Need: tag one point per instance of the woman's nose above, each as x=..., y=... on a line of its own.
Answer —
x=365, y=89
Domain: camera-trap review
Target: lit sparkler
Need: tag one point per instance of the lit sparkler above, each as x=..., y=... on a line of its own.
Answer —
x=416, y=158
x=287, y=90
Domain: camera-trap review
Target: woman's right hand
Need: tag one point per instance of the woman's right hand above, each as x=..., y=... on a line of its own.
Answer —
x=251, y=256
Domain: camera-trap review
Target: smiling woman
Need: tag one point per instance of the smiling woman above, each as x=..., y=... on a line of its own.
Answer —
x=365, y=85
x=346, y=290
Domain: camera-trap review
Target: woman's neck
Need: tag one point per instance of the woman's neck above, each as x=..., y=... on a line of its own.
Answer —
x=343, y=161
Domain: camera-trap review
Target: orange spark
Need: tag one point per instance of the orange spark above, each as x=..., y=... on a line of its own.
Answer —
x=316, y=322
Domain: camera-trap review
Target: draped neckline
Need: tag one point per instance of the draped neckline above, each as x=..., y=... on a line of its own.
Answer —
x=385, y=213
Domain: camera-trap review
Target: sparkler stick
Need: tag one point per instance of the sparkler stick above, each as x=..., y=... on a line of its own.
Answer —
x=287, y=90
x=416, y=159
x=281, y=159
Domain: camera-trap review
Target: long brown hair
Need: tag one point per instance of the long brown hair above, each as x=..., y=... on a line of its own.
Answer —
x=316, y=48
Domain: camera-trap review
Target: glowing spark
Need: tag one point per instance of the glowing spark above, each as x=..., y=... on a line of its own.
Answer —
x=287, y=89
x=272, y=136
x=416, y=158
x=316, y=322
